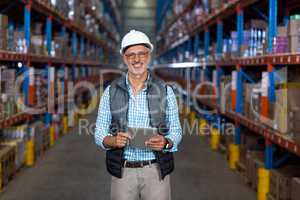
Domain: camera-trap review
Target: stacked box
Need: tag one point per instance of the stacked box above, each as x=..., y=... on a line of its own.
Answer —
x=39, y=133
x=60, y=46
x=8, y=106
x=294, y=35
x=249, y=142
x=12, y=133
x=254, y=161
x=179, y=5
x=287, y=109
x=37, y=39
x=8, y=78
x=7, y=91
x=214, y=5
x=3, y=31
x=281, y=182
x=37, y=44
x=41, y=85
x=63, y=8
x=252, y=101
x=280, y=45
x=225, y=93
x=20, y=148
x=282, y=31
x=7, y=160
x=295, y=193
x=19, y=42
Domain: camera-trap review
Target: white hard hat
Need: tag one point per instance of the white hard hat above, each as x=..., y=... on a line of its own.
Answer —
x=133, y=38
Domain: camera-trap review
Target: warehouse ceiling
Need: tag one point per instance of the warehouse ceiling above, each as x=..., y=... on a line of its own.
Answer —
x=139, y=15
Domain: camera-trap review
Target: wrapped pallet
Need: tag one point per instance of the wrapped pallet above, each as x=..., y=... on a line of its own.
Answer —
x=287, y=109
x=281, y=182
x=254, y=161
x=295, y=191
x=19, y=146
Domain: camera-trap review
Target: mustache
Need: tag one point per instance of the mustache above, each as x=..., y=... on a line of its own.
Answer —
x=136, y=63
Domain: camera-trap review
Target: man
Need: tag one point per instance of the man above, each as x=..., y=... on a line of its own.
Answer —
x=138, y=99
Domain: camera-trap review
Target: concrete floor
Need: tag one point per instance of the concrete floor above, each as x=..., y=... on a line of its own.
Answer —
x=75, y=170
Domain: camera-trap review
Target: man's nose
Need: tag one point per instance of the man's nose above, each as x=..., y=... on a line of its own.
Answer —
x=136, y=58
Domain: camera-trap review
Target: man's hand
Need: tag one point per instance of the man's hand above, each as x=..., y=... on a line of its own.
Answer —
x=121, y=139
x=157, y=142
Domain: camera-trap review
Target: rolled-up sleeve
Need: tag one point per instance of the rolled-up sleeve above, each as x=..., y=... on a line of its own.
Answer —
x=172, y=117
x=103, y=119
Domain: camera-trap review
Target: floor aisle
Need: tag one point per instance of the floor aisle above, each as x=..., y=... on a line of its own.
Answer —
x=75, y=170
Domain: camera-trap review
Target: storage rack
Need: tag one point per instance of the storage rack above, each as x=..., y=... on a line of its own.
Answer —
x=75, y=68
x=51, y=16
x=191, y=44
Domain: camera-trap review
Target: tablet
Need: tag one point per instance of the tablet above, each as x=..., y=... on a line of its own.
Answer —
x=140, y=136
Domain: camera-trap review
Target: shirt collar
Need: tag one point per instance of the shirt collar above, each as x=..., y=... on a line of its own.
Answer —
x=145, y=84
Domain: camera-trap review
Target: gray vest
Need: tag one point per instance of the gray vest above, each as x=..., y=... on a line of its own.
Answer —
x=157, y=104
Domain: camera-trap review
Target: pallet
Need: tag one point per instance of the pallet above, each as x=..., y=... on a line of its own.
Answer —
x=241, y=169
x=270, y=197
x=20, y=148
x=7, y=165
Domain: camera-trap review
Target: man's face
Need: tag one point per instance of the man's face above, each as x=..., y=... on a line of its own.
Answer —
x=137, y=59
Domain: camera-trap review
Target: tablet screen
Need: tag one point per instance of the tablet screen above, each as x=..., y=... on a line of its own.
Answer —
x=140, y=136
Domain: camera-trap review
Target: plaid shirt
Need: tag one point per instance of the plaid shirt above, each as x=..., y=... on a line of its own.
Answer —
x=138, y=116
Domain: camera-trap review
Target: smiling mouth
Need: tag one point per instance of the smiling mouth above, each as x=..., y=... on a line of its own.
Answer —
x=137, y=65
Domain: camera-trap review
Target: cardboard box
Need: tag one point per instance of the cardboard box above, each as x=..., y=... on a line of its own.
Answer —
x=37, y=43
x=3, y=21
x=3, y=31
x=3, y=38
x=252, y=101
x=225, y=94
x=295, y=191
x=254, y=161
x=255, y=106
x=19, y=146
x=287, y=75
x=281, y=182
x=270, y=197
x=294, y=43
x=293, y=27
x=249, y=142
x=287, y=109
x=282, y=31
x=8, y=77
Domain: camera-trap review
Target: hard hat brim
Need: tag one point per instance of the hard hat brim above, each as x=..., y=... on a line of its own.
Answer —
x=148, y=45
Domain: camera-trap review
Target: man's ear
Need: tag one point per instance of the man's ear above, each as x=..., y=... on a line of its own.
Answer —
x=124, y=59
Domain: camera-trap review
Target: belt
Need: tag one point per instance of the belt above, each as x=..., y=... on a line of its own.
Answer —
x=137, y=164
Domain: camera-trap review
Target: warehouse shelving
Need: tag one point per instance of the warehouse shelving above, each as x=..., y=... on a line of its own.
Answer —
x=88, y=55
x=195, y=46
x=21, y=117
x=22, y=57
x=115, y=11
x=213, y=18
x=276, y=59
x=175, y=18
x=47, y=10
x=102, y=23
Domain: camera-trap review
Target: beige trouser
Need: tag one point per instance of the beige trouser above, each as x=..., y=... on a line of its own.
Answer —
x=141, y=184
